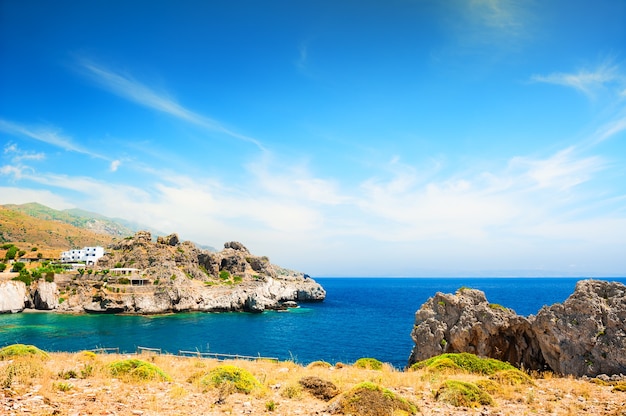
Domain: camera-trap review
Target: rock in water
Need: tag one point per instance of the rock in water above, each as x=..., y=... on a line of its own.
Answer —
x=586, y=335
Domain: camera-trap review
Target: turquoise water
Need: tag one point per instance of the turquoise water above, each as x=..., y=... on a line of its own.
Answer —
x=360, y=318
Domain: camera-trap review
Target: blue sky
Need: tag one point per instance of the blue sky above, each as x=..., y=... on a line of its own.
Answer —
x=339, y=138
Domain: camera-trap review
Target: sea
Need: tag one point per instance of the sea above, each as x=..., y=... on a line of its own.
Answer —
x=361, y=317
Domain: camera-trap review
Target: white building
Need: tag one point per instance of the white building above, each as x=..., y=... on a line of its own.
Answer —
x=89, y=255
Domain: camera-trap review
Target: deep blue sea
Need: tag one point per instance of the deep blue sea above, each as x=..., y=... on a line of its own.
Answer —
x=361, y=317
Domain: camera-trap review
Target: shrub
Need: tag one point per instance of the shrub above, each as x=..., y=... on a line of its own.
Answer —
x=231, y=376
x=368, y=364
x=512, y=377
x=123, y=280
x=18, y=266
x=462, y=394
x=24, y=276
x=11, y=253
x=369, y=399
x=224, y=275
x=3, y=267
x=66, y=375
x=137, y=370
x=292, y=392
x=63, y=386
x=322, y=364
x=467, y=362
x=322, y=389
x=21, y=350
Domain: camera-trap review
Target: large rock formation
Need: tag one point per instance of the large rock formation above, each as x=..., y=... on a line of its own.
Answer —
x=466, y=322
x=586, y=335
x=45, y=296
x=172, y=276
x=13, y=296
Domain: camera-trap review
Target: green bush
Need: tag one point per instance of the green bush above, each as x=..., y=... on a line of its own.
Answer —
x=368, y=364
x=467, y=362
x=18, y=266
x=21, y=350
x=369, y=399
x=235, y=377
x=3, y=267
x=123, y=281
x=24, y=276
x=462, y=394
x=137, y=370
x=224, y=275
x=512, y=377
x=11, y=253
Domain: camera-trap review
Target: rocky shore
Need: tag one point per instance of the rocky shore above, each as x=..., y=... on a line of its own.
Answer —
x=584, y=336
x=139, y=276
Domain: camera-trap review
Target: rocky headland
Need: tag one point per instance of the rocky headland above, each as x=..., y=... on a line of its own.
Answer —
x=140, y=276
x=584, y=336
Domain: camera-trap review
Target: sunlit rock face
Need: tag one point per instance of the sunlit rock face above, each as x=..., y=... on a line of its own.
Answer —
x=586, y=335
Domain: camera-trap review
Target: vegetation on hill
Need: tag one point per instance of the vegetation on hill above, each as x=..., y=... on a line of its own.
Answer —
x=78, y=218
x=28, y=232
x=86, y=383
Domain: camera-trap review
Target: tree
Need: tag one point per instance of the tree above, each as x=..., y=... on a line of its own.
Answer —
x=11, y=252
x=18, y=266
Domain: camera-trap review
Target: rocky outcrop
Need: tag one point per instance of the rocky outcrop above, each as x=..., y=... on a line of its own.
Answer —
x=45, y=296
x=13, y=296
x=586, y=335
x=178, y=276
x=466, y=322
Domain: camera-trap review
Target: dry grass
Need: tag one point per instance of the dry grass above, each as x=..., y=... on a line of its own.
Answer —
x=82, y=384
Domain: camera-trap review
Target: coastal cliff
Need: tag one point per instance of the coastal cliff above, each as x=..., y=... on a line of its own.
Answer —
x=139, y=276
x=584, y=336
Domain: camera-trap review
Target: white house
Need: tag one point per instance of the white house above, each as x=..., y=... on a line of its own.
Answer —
x=89, y=255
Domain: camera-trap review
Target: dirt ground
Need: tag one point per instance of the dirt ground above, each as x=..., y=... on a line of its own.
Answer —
x=82, y=384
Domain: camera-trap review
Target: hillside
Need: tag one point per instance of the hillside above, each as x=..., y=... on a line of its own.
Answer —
x=79, y=218
x=85, y=220
x=18, y=227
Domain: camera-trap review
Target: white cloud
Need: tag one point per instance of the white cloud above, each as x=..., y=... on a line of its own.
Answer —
x=560, y=172
x=45, y=135
x=126, y=87
x=115, y=165
x=589, y=82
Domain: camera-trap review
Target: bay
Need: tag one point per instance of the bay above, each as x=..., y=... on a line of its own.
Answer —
x=361, y=317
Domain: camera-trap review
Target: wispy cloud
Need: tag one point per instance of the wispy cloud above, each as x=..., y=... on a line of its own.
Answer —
x=47, y=135
x=291, y=211
x=18, y=155
x=500, y=25
x=129, y=88
x=589, y=82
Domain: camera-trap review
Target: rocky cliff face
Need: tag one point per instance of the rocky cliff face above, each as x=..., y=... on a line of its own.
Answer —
x=586, y=335
x=13, y=297
x=45, y=296
x=168, y=276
